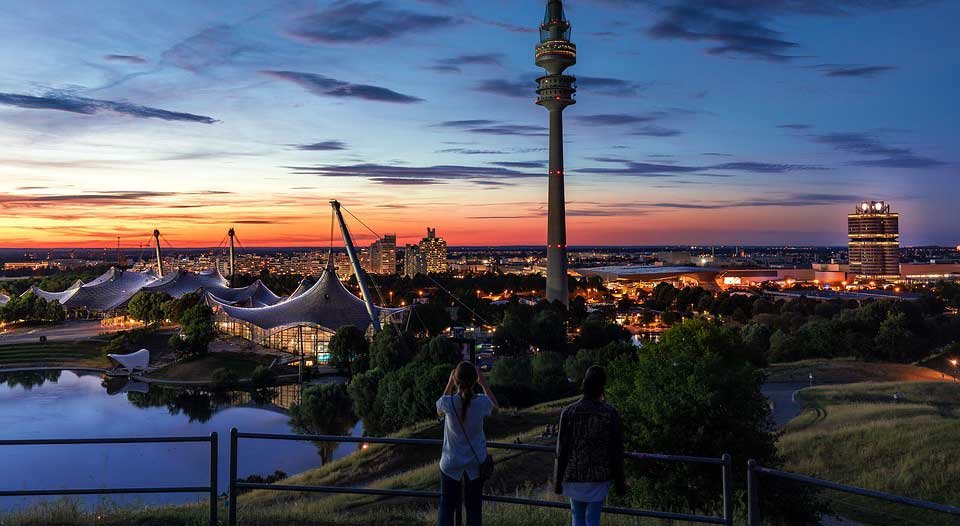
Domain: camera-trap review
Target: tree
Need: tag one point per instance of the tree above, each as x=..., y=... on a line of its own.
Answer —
x=510, y=380
x=262, y=376
x=694, y=393
x=148, y=306
x=894, y=340
x=598, y=331
x=54, y=312
x=196, y=331
x=408, y=395
x=324, y=409
x=350, y=350
x=430, y=318
x=576, y=366
x=756, y=339
x=440, y=350
x=548, y=331
x=548, y=377
x=390, y=350
x=363, y=389
x=512, y=335
x=173, y=309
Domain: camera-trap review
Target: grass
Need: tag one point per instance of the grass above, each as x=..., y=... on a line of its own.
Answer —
x=849, y=370
x=857, y=434
x=200, y=368
x=53, y=354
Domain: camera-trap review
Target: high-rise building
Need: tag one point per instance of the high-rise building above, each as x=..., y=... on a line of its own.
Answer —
x=383, y=255
x=433, y=249
x=874, y=241
x=413, y=262
x=555, y=92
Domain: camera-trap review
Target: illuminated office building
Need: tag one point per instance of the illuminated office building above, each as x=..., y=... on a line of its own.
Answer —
x=874, y=241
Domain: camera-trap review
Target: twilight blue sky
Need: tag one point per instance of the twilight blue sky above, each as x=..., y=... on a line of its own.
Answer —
x=726, y=121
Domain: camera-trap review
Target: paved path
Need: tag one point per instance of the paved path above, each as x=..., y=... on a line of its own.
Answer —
x=69, y=331
x=784, y=401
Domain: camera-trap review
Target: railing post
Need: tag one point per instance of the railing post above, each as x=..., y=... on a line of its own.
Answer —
x=232, y=497
x=214, y=498
x=753, y=494
x=727, y=489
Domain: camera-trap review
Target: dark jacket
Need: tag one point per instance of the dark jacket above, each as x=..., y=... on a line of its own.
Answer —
x=590, y=445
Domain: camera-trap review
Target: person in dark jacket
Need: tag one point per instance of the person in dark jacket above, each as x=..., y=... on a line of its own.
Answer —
x=589, y=451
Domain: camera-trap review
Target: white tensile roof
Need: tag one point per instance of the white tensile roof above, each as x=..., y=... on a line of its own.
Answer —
x=327, y=304
x=254, y=295
x=137, y=361
x=179, y=283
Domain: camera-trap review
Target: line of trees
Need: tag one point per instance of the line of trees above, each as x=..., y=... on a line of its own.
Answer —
x=31, y=308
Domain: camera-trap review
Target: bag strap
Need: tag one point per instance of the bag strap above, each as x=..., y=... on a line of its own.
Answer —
x=464, y=429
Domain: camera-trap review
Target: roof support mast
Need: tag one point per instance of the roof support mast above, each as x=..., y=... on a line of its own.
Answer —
x=156, y=237
x=231, y=233
x=357, y=269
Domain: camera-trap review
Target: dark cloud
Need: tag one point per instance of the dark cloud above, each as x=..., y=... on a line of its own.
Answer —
x=489, y=127
x=508, y=88
x=467, y=151
x=455, y=64
x=322, y=146
x=655, y=131
x=82, y=105
x=348, y=22
x=89, y=198
x=854, y=70
x=410, y=175
x=654, y=170
x=521, y=164
x=795, y=126
x=610, y=86
x=615, y=119
x=513, y=28
x=130, y=59
x=326, y=86
x=870, y=144
x=745, y=27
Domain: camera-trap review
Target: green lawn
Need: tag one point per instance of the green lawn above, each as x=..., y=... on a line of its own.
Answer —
x=857, y=434
x=201, y=368
x=53, y=354
x=848, y=370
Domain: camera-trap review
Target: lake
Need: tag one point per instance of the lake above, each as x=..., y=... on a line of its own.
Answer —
x=65, y=404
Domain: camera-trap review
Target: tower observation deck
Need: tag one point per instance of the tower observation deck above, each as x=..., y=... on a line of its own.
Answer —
x=555, y=91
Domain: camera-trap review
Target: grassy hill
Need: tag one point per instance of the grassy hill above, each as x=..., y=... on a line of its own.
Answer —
x=54, y=354
x=858, y=434
x=849, y=370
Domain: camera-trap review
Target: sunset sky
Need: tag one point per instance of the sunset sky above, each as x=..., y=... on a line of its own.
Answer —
x=698, y=122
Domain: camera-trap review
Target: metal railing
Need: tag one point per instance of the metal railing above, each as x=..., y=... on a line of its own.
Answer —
x=724, y=462
x=211, y=488
x=755, y=517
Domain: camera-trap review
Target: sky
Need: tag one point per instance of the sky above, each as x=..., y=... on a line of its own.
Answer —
x=753, y=122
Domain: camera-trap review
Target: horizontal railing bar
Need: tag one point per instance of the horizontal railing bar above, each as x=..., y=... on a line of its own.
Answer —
x=338, y=489
x=102, y=491
x=608, y=509
x=860, y=491
x=488, y=498
x=492, y=445
x=127, y=440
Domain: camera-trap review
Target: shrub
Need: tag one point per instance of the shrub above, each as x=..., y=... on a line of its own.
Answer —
x=223, y=378
x=263, y=376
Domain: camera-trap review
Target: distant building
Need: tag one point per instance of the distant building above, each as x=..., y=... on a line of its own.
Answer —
x=383, y=255
x=413, y=262
x=434, y=252
x=874, y=241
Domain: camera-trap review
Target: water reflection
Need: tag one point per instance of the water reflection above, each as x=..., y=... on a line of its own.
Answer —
x=54, y=404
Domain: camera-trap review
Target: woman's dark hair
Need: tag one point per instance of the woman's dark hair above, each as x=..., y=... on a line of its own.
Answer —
x=466, y=378
x=594, y=382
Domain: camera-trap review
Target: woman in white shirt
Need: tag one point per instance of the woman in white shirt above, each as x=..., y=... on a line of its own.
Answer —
x=464, y=443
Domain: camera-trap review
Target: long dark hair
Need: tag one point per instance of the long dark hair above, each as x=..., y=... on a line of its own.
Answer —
x=466, y=378
x=594, y=383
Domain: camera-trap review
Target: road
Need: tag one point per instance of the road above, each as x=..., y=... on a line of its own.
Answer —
x=69, y=331
x=784, y=401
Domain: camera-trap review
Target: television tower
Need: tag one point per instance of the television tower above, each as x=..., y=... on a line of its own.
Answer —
x=555, y=91
x=232, y=233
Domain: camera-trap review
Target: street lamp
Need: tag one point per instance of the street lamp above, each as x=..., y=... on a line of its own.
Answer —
x=954, y=362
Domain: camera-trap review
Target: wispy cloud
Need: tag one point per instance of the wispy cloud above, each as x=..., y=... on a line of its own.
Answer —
x=129, y=59
x=851, y=70
x=611, y=86
x=870, y=144
x=328, y=87
x=322, y=146
x=60, y=101
x=490, y=127
x=347, y=22
x=412, y=175
x=457, y=63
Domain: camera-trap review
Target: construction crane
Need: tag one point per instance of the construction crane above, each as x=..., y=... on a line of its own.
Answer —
x=357, y=269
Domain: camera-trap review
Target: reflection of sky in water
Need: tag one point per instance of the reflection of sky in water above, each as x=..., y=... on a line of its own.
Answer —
x=78, y=406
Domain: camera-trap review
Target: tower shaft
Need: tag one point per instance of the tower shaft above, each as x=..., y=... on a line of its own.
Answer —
x=556, y=215
x=156, y=237
x=231, y=263
x=555, y=91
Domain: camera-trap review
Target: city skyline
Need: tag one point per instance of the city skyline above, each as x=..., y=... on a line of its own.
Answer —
x=722, y=125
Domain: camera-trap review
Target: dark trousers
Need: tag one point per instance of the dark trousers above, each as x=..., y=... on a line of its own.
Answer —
x=450, y=491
